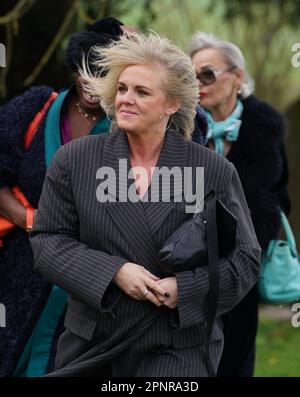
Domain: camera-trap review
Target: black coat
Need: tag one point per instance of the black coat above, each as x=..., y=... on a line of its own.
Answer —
x=22, y=290
x=79, y=243
x=261, y=163
x=260, y=159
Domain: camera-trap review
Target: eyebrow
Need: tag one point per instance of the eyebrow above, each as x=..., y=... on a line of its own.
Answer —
x=207, y=66
x=138, y=86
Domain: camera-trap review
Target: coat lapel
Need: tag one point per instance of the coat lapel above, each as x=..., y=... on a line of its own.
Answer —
x=174, y=153
x=137, y=222
x=129, y=217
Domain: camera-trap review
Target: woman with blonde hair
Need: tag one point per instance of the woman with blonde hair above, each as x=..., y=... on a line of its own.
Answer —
x=102, y=220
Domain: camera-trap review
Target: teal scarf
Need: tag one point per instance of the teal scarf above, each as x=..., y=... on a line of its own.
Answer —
x=227, y=129
x=52, y=130
x=35, y=357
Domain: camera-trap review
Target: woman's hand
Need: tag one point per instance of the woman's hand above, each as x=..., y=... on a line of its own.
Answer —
x=139, y=283
x=170, y=298
x=11, y=208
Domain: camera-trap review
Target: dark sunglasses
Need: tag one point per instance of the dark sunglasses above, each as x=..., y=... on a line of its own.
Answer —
x=209, y=75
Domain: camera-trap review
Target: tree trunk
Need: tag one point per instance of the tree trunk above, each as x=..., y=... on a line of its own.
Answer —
x=30, y=38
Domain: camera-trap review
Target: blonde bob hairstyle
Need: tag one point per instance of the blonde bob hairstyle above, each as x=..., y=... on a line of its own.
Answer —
x=138, y=49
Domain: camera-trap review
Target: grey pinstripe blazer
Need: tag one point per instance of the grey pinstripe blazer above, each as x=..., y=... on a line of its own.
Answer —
x=80, y=243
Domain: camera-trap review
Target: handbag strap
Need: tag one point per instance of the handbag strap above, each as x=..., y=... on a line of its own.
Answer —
x=28, y=137
x=213, y=275
x=34, y=125
x=289, y=233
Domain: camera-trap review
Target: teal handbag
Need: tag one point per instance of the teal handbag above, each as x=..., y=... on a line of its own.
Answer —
x=279, y=280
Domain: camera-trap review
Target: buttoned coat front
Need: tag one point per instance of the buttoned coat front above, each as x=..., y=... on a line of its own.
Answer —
x=79, y=243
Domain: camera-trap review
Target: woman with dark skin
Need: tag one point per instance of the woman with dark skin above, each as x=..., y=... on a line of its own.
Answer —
x=83, y=112
x=31, y=303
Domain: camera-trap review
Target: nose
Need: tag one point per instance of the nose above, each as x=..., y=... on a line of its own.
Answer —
x=128, y=97
x=200, y=83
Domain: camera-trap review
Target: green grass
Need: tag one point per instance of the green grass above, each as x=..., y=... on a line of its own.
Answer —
x=277, y=349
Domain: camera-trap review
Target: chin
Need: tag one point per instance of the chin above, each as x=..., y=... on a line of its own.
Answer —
x=203, y=102
x=91, y=106
x=128, y=129
x=125, y=125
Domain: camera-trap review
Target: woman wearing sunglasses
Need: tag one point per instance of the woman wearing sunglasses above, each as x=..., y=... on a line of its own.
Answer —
x=250, y=133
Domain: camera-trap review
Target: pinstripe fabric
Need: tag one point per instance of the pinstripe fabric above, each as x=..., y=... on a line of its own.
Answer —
x=80, y=243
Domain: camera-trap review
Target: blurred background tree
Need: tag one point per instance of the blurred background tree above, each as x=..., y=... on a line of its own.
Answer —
x=35, y=33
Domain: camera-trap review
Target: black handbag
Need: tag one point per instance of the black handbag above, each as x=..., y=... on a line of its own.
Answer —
x=202, y=240
x=187, y=247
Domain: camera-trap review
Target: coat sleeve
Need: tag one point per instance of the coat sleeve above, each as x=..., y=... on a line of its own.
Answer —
x=15, y=117
x=59, y=256
x=238, y=272
x=266, y=179
x=284, y=200
x=10, y=148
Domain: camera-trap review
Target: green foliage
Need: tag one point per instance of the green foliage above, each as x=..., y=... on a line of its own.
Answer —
x=277, y=349
x=141, y=12
x=265, y=31
x=289, y=9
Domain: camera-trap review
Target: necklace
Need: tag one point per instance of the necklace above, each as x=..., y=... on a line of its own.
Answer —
x=84, y=113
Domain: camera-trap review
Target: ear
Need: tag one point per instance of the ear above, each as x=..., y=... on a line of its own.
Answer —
x=174, y=105
x=240, y=73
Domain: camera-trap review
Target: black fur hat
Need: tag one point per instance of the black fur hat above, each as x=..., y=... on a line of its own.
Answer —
x=100, y=33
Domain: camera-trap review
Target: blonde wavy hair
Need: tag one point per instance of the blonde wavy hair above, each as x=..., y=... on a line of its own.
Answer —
x=139, y=49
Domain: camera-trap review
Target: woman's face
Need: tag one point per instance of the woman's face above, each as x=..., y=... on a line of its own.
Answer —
x=224, y=89
x=141, y=104
x=88, y=102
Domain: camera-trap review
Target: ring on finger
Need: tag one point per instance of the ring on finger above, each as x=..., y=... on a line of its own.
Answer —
x=146, y=292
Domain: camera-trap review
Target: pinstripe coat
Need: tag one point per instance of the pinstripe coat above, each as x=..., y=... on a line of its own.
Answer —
x=80, y=243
